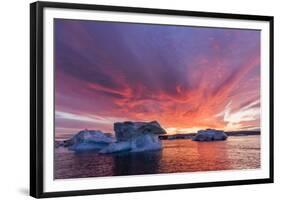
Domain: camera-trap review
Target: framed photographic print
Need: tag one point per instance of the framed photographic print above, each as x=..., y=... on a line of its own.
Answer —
x=127, y=99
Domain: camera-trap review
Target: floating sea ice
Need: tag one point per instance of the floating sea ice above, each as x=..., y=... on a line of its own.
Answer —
x=89, y=140
x=209, y=135
x=135, y=137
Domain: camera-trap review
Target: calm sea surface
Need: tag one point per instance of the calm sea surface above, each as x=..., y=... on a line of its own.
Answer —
x=183, y=155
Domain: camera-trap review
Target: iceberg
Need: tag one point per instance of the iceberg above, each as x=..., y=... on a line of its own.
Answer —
x=89, y=140
x=129, y=137
x=135, y=137
x=210, y=135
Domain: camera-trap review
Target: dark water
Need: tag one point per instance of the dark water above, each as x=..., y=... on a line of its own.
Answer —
x=239, y=152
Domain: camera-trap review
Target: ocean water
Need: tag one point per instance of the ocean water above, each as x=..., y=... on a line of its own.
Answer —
x=182, y=155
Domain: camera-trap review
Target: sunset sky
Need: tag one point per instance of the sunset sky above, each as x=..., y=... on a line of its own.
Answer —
x=186, y=78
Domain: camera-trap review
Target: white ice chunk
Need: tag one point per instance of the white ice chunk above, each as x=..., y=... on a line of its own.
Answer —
x=147, y=142
x=209, y=135
x=89, y=140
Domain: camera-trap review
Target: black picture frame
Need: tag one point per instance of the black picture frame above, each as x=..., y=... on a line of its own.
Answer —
x=37, y=98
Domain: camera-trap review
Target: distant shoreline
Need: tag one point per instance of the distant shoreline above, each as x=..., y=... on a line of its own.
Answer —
x=190, y=135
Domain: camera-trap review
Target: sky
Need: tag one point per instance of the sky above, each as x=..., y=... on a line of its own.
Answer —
x=186, y=78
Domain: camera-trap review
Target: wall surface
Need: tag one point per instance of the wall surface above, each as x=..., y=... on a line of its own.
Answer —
x=14, y=106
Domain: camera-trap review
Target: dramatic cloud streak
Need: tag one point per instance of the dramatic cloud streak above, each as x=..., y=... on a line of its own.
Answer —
x=187, y=78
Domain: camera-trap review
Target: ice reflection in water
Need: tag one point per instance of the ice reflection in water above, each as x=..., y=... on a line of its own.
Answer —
x=241, y=152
